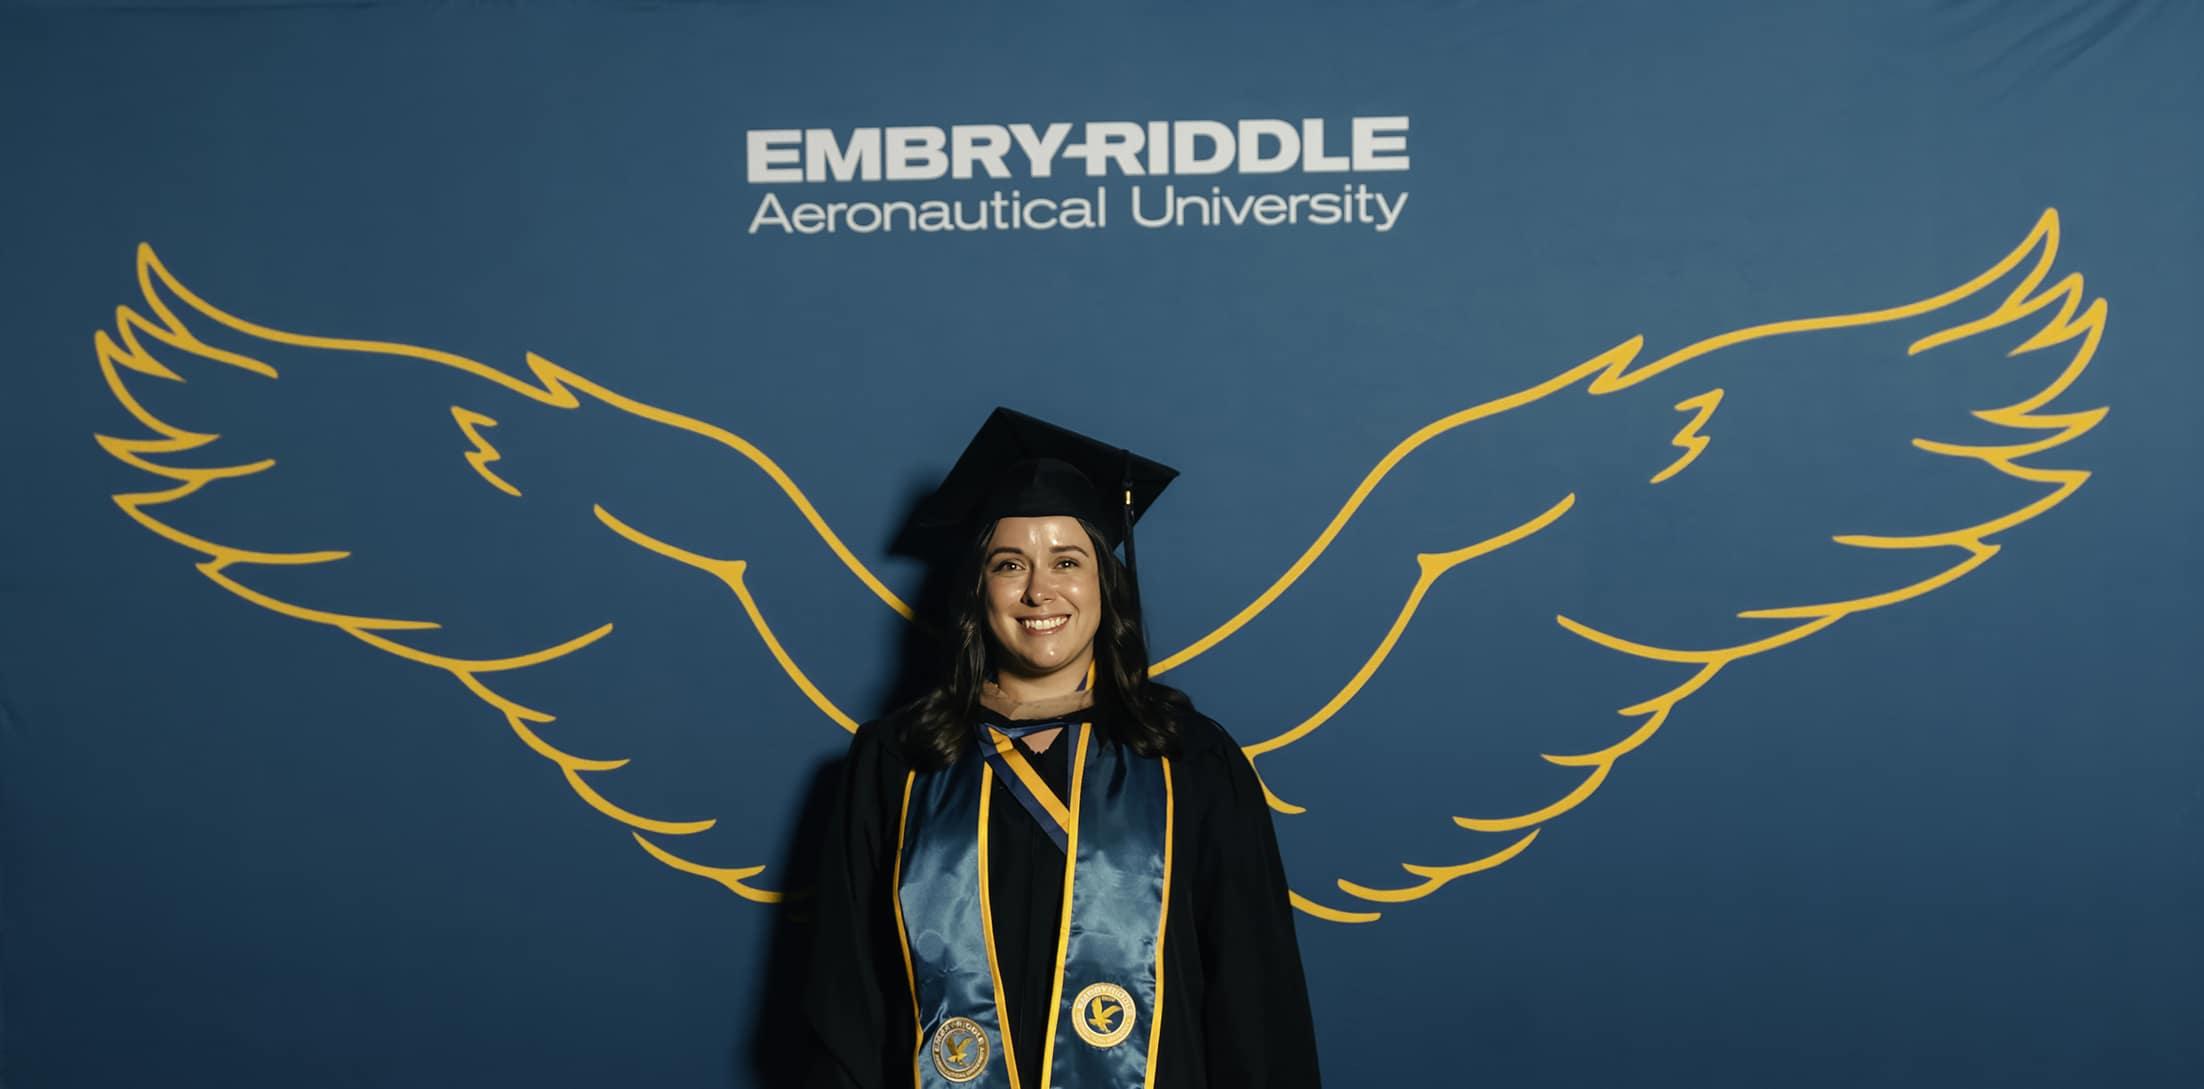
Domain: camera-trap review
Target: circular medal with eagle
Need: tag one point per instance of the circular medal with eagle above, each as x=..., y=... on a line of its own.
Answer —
x=960, y=1049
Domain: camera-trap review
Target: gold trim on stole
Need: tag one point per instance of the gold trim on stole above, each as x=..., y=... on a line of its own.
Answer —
x=1071, y=867
x=1163, y=919
x=903, y=935
x=987, y=931
x=1063, y=936
x=1019, y=766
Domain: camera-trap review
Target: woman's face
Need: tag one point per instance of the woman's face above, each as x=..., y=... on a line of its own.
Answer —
x=1044, y=598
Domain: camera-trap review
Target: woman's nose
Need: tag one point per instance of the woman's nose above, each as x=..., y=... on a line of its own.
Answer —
x=1037, y=589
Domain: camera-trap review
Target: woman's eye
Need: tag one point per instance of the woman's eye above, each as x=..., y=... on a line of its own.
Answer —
x=1007, y=565
x=1067, y=563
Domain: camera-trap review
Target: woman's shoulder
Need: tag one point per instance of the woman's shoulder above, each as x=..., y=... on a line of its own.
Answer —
x=1214, y=774
x=1199, y=735
x=879, y=743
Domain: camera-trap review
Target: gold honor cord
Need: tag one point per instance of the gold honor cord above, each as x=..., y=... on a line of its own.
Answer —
x=1609, y=372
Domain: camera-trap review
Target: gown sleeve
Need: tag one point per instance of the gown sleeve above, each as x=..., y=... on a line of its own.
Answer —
x=1256, y=1022
x=864, y=1040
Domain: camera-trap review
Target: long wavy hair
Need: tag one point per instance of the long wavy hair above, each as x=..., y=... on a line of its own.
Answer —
x=1130, y=709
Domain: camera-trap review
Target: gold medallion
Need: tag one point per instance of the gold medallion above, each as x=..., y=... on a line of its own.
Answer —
x=960, y=1049
x=1103, y=1014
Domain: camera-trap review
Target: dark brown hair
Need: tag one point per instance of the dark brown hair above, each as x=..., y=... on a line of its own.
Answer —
x=1131, y=710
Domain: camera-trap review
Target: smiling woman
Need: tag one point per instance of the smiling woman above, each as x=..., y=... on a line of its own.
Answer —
x=1043, y=602
x=1050, y=870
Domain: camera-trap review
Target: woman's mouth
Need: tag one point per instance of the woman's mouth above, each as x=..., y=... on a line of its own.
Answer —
x=1042, y=625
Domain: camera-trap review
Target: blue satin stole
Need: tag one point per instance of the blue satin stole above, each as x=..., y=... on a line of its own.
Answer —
x=1108, y=988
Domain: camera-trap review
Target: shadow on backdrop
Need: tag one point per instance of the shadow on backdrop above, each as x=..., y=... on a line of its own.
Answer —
x=765, y=1051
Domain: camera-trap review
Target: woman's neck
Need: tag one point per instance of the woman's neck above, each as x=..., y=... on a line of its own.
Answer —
x=1037, y=689
x=1067, y=687
x=1053, y=685
x=1052, y=707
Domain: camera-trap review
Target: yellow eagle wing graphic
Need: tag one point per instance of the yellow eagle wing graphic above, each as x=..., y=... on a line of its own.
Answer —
x=2019, y=298
x=2019, y=292
x=179, y=336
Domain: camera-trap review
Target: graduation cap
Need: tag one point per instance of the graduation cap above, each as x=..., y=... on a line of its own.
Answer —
x=1021, y=467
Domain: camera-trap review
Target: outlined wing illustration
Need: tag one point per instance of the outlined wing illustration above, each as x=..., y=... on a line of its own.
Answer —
x=1685, y=402
x=415, y=459
x=1883, y=553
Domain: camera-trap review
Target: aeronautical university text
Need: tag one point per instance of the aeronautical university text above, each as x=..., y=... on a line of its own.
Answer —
x=1129, y=149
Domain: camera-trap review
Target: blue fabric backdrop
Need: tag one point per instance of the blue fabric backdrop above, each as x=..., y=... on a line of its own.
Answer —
x=1678, y=313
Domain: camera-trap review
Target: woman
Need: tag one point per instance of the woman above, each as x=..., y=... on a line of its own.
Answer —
x=1050, y=872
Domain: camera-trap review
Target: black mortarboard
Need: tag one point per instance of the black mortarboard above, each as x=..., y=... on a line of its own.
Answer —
x=1017, y=466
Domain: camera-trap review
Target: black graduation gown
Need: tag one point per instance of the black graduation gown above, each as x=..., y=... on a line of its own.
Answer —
x=1235, y=1005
